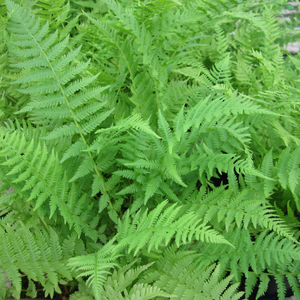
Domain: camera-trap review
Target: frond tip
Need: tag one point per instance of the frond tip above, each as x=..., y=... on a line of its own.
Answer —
x=96, y=266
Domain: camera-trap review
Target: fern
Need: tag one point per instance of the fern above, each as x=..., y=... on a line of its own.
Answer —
x=117, y=284
x=54, y=79
x=148, y=149
x=99, y=264
x=38, y=255
x=59, y=11
x=38, y=177
x=179, y=274
x=228, y=211
x=153, y=229
x=268, y=252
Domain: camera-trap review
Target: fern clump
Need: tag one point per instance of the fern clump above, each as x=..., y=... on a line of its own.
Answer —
x=148, y=150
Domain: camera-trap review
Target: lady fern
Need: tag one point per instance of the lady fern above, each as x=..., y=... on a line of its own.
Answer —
x=152, y=148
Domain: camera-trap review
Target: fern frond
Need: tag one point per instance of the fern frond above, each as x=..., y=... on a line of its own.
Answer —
x=135, y=121
x=165, y=131
x=34, y=253
x=160, y=6
x=222, y=44
x=96, y=266
x=41, y=179
x=125, y=104
x=62, y=89
x=152, y=187
x=179, y=274
x=267, y=170
x=159, y=226
x=143, y=164
x=209, y=109
x=288, y=171
x=119, y=284
x=143, y=96
x=220, y=73
x=256, y=211
x=269, y=251
x=58, y=11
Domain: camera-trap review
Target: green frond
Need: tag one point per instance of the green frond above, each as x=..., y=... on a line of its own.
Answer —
x=40, y=179
x=267, y=168
x=143, y=164
x=194, y=73
x=130, y=189
x=288, y=170
x=47, y=10
x=180, y=275
x=96, y=266
x=119, y=284
x=269, y=251
x=165, y=131
x=143, y=97
x=220, y=72
x=222, y=44
x=160, y=227
x=243, y=210
x=152, y=187
x=244, y=73
x=178, y=124
x=62, y=91
x=135, y=121
x=37, y=254
x=160, y=138
x=157, y=7
x=210, y=109
x=171, y=170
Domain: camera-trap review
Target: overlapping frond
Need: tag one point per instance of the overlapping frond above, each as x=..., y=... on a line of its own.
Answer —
x=37, y=176
x=269, y=252
x=35, y=253
x=118, y=285
x=129, y=126
x=59, y=90
x=180, y=275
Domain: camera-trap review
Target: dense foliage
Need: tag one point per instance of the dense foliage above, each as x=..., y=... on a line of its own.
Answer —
x=152, y=147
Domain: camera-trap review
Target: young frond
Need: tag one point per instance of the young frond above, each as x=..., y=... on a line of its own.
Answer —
x=221, y=73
